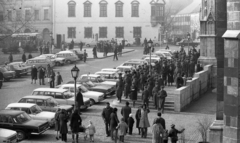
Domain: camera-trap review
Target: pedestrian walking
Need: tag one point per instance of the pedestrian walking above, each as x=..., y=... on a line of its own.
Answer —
x=106, y=117
x=10, y=58
x=145, y=96
x=162, y=94
x=94, y=52
x=80, y=101
x=34, y=73
x=120, y=47
x=173, y=133
x=134, y=91
x=179, y=81
x=155, y=93
x=24, y=57
x=41, y=50
x=1, y=79
x=138, y=117
x=126, y=111
x=41, y=75
x=91, y=131
x=119, y=88
x=85, y=55
x=75, y=123
x=130, y=124
x=127, y=85
x=57, y=123
x=59, y=78
x=123, y=43
x=157, y=132
x=81, y=45
x=30, y=56
x=162, y=121
x=144, y=122
x=170, y=75
x=113, y=124
x=63, y=119
x=122, y=127
x=52, y=79
x=115, y=50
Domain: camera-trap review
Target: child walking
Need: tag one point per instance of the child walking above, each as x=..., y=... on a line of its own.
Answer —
x=122, y=128
x=130, y=124
x=91, y=131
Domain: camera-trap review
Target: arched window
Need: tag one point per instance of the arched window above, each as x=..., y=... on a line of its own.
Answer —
x=103, y=8
x=119, y=9
x=87, y=9
x=71, y=9
x=135, y=8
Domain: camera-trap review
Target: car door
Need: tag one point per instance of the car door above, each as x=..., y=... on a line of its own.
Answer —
x=42, y=104
x=60, y=98
x=28, y=111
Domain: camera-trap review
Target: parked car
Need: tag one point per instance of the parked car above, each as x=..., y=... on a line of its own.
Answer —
x=69, y=56
x=190, y=43
x=164, y=54
x=134, y=63
x=153, y=60
x=57, y=60
x=34, y=111
x=62, y=96
x=127, y=42
x=40, y=61
x=91, y=43
x=125, y=68
x=8, y=136
x=7, y=75
x=92, y=95
x=21, y=122
x=78, y=53
x=46, y=103
x=18, y=68
x=152, y=55
x=110, y=70
x=108, y=76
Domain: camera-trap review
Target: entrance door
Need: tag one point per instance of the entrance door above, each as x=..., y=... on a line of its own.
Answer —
x=59, y=41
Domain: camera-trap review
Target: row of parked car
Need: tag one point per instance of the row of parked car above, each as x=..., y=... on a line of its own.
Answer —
x=35, y=113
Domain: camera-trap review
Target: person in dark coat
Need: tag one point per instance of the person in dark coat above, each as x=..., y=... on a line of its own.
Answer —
x=10, y=58
x=52, y=79
x=34, y=73
x=125, y=111
x=119, y=88
x=1, y=79
x=75, y=122
x=179, y=81
x=63, y=119
x=130, y=124
x=145, y=96
x=123, y=43
x=94, y=52
x=138, y=117
x=81, y=45
x=106, y=117
x=80, y=101
x=120, y=47
x=162, y=94
x=134, y=91
x=155, y=93
x=85, y=55
x=170, y=76
x=57, y=122
x=113, y=124
x=41, y=75
x=127, y=85
x=173, y=133
x=162, y=121
x=30, y=56
x=59, y=78
x=115, y=56
x=24, y=57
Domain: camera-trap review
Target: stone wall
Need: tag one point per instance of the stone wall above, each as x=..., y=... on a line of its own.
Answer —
x=194, y=88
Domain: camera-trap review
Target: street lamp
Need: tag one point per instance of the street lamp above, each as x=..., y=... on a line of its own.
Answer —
x=150, y=42
x=50, y=43
x=188, y=36
x=75, y=72
x=166, y=38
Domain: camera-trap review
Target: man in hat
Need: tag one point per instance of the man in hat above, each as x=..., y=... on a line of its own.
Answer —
x=106, y=117
x=125, y=111
x=119, y=88
x=173, y=133
x=162, y=94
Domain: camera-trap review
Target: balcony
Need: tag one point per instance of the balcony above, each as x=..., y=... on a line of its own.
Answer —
x=155, y=20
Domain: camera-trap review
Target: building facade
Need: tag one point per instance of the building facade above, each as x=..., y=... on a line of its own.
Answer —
x=93, y=20
x=187, y=20
x=26, y=16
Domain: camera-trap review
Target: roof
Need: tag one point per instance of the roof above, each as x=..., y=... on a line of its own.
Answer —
x=232, y=34
x=50, y=89
x=10, y=112
x=27, y=105
x=194, y=7
x=37, y=97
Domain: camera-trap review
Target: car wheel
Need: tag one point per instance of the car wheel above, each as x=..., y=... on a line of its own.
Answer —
x=69, y=62
x=88, y=45
x=92, y=102
x=21, y=135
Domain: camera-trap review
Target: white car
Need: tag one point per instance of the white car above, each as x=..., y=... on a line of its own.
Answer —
x=8, y=136
x=95, y=78
x=92, y=95
x=57, y=60
x=125, y=68
x=127, y=42
x=108, y=76
x=153, y=60
x=110, y=70
x=90, y=43
x=34, y=111
x=152, y=55
x=164, y=54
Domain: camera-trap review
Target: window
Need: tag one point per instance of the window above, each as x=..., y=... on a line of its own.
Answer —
x=119, y=32
x=36, y=14
x=46, y=14
x=210, y=27
x=71, y=9
x=27, y=14
x=1, y=15
x=135, y=9
x=102, y=32
x=159, y=10
x=119, y=9
x=153, y=10
x=88, y=32
x=9, y=15
x=59, y=96
x=103, y=10
x=71, y=32
x=137, y=32
x=87, y=9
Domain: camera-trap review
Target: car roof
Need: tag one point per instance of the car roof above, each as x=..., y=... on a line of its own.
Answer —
x=27, y=105
x=46, y=55
x=10, y=112
x=62, y=52
x=135, y=60
x=152, y=58
x=91, y=75
x=127, y=67
x=37, y=97
x=105, y=72
x=36, y=58
x=110, y=69
x=13, y=63
x=50, y=89
x=70, y=85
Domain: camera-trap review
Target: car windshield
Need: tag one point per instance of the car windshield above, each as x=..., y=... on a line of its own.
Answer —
x=152, y=60
x=167, y=54
x=21, y=118
x=35, y=109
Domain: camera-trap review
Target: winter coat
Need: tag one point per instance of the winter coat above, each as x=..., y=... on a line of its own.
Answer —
x=80, y=99
x=106, y=113
x=57, y=122
x=130, y=122
x=154, y=93
x=145, y=95
x=59, y=79
x=144, y=122
x=125, y=112
x=157, y=129
x=119, y=88
x=122, y=128
x=41, y=73
x=138, y=117
x=134, y=90
x=162, y=122
x=63, y=119
x=91, y=129
x=34, y=72
x=75, y=122
x=113, y=121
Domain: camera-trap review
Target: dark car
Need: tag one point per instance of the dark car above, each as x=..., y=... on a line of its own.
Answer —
x=186, y=42
x=7, y=75
x=19, y=68
x=78, y=53
x=22, y=123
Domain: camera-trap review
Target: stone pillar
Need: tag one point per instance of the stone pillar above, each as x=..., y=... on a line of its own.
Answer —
x=231, y=130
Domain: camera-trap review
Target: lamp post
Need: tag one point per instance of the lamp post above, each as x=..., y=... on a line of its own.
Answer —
x=150, y=42
x=188, y=36
x=166, y=38
x=50, y=50
x=75, y=72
